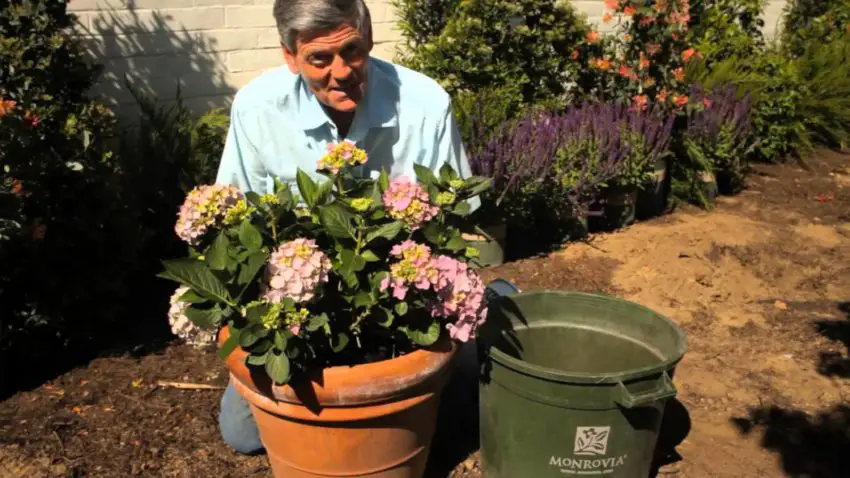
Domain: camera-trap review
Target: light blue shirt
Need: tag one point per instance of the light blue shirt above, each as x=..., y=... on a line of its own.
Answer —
x=277, y=126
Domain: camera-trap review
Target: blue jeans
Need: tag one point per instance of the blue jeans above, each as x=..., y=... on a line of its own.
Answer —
x=239, y=430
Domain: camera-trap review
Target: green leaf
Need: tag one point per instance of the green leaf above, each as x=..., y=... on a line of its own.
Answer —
x=255, y=314
x=447, y=173
x=401, y=308
x=249, y=236
x=388, y=316
x=352, y=261
x=424, y=175
x=477, y=185
x=369, y=256
x=217, y=254
x=457, y=243
x=307, y=188
x=195, y=274
x=431, y=231
x=230, y=344
x=379, y=214
x=384, y=180
x=376, y=279
x=387, y=231
x=280, y=340
x=284, y=193
x=261, y=347
x=248, y=271
x=317, y=322
x=424, y=337
x=277, y=366
x=251, y=335
x=258, y=359
x=363, y=299
x=340, y=343
x=253, y=198
x=336, y=220
x=323, y=192
x=192, y=297
x=204, y=318
x=462, y=208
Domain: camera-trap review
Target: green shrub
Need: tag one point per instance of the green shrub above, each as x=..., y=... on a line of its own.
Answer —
x=778, y=94
x=421, y=20
x=69, y=243
x=824, y=70
x=499, y=43
x=724, y=28
x=813, y=21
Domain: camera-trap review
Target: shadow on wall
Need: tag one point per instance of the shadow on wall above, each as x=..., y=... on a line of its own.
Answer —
x=143, y=47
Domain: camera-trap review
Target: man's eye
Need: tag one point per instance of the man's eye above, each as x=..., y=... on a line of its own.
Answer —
x=319, y=59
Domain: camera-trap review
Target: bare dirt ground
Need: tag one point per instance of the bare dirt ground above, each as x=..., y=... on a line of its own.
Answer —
x=761, y=286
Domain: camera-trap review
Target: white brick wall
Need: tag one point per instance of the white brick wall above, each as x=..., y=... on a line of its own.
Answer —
x=213, y=47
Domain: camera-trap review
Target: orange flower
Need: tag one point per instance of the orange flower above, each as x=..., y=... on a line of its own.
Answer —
x=644, y=62
x=607, y=18
x=680, y=100
x=601, y=63
x=627, y=37
x=612, y=4
x=630, y=10
x=640, y=102
x=661, y=96
x=706, y=102
x=38, y=230
x=6, y=107
x=660, y=5
x=648, y=82
x=17, y=186
x=688, y=54
x=652, y=49
x=627, y=72
x=679, y=74
x=574, y=55
x=592, y=36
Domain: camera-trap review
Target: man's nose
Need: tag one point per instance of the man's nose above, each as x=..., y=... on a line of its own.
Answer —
x=341, y=70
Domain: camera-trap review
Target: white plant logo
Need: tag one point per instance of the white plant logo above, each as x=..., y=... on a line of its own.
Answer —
x=591, y=441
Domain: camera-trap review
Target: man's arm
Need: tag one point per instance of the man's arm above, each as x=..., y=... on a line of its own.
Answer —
x=449, y=148
x=240, y=162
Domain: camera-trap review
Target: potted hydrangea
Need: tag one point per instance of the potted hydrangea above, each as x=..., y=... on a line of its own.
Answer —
x=337, y=310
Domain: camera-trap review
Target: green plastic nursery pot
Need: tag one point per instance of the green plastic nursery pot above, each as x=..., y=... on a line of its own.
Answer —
x=618, y=209
x=651, y=200
x=573, y=384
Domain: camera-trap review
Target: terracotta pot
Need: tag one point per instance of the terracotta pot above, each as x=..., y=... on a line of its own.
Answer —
x=372, y=420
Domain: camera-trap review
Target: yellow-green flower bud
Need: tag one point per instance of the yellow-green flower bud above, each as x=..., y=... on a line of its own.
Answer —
x=456, y=183
x=272, y=320
x=269, y=198
x=472, y=252
x=238, y=213
x=445, y=198
x=361, y=204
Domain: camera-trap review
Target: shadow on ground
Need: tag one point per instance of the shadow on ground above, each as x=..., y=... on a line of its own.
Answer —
x=675, y=427
x=836, y=364
x=811, y=446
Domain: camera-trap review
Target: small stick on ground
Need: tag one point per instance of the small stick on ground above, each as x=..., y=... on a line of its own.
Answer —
x=188, y=386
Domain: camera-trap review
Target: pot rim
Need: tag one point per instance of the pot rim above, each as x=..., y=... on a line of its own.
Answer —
x=350, y=386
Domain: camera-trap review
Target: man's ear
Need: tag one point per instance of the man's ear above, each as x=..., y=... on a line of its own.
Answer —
x=289, y=58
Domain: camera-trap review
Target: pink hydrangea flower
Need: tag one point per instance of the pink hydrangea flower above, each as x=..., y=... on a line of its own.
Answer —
x=296, y=270
x=414, y=269
x=460, y=294
x=342, y=155
x=184, y=328
x=205, y=207
x=408, y=202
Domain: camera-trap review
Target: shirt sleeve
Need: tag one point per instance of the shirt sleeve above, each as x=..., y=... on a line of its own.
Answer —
x=241, y=165
x=449, y=148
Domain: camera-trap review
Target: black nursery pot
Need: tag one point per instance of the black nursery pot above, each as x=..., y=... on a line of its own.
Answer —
x=616, y=209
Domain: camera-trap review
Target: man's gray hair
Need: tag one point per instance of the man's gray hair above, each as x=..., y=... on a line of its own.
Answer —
x=293, y=16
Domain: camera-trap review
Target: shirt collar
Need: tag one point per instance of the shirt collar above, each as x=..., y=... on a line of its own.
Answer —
x=378, y=109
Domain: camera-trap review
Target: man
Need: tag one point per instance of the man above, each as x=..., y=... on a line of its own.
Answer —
x=330, y=90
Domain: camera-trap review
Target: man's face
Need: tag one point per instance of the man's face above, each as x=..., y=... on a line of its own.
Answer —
x=333, y=63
